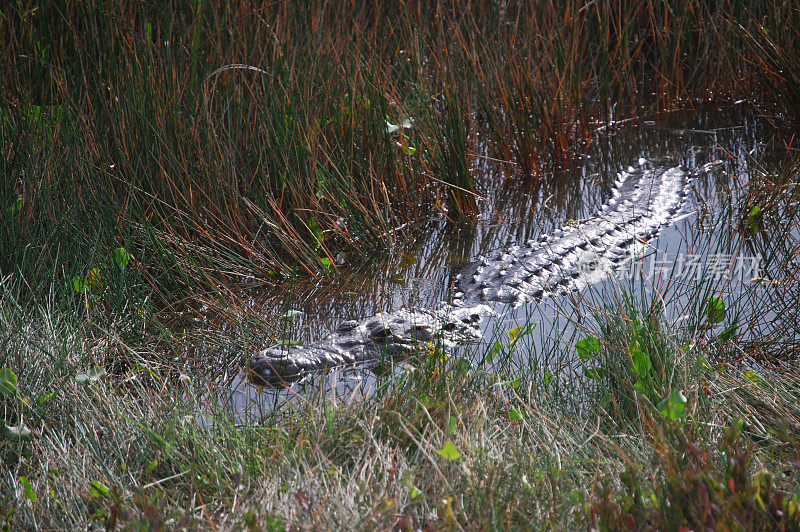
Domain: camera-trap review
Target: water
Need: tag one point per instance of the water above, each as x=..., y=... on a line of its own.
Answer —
x=516, y=210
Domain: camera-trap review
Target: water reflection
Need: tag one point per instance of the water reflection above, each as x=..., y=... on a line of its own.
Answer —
x=515, y=210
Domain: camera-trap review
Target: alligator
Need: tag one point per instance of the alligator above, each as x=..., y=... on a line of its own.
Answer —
x=643, y=201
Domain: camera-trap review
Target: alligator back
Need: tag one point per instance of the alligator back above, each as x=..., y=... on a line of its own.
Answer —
x=578, y=254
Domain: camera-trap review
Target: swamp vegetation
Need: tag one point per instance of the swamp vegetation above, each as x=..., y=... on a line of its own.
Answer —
x=177, y=180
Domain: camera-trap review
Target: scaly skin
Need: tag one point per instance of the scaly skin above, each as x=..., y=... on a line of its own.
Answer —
x=571, y=258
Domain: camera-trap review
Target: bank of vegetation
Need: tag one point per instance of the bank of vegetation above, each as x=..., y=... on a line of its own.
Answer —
x=155, y=155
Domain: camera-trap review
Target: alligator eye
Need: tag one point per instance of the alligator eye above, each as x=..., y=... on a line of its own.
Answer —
x=382, y=333
x=348, y=325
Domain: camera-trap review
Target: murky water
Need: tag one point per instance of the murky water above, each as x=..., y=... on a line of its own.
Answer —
x=704, y=244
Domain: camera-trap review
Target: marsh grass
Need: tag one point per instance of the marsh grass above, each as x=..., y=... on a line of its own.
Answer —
x=448, y=445
x=236, y=144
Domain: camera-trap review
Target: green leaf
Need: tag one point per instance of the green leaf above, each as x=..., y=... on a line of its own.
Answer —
x=292, y=313
x=151, y=466
x=17, y=433
x=515, y=415
x=673, y=406
x=26, y=485
x=98, y=489
x=547, y=379
x=17, y=206
x=120, y=257
x=95, y=278
x=79, y=284
x=451, y=424
x=8, y=382
x=754, y=219
x=326, y=263
x=754, y=377
x=407, y=146
x=588, y=348
x=642, y=366
x=316, y=233
x=519, y=332
x=42, y=398
x=93, y=375
x=515, y=383
x=408, y=482
x=497, y=348
x=715, y=310
x=449, y=451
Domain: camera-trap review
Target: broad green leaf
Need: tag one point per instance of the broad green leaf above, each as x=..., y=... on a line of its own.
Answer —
x=17, y=206
x=451, y=424
x=497, y=348
x=673, y=406
x=449, y=451
x=98, y=489
x=121, y=257
x=151, y=467
x=515, y=415
x=93, y=375
x=588, y=348
x=754, y=377
x=547, y=379
x=79, y=284
x=95, y=278
x=26, y=485
x=17, y=433
x=715, y=310
x=326, y=263
x=642, y=366
x=519, y=332
x=515, y=383
x=292, y=313
x=8, y=382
